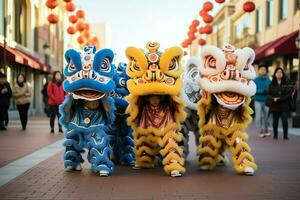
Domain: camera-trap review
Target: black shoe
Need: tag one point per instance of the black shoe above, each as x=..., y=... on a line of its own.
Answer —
x=2, y=128
x=52, y=130
x=275, y=138
x=60, y=130
x=285, y=138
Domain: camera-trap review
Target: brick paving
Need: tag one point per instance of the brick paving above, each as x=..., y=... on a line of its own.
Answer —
x=15, y=143
x=278, y=177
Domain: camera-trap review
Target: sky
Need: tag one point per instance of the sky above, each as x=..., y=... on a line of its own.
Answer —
x=135, y=22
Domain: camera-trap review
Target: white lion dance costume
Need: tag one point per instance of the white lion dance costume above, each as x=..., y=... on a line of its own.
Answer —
x=155, y=108
x=191, y=95
x=226, y=83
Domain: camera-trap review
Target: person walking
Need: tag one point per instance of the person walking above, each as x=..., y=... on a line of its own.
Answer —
x=56, y=96
x=5, y=95
x=45, y=99
x=279, y=93
x=262, y=82
x=22, y=93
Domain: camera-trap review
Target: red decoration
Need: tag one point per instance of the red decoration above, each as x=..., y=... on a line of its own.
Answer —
x=184, y=44
x=248, y=6
x=52, y=18
x=195, y=23
x=70, y=7
x=51, y=4
x=202, y=13
x=185, y=53
x=192, y=30
x=220, y=1
x=207, y=6
x=67, y=1
x=201, y=42
x=80, y=14
x=73, y=19
x=80, y=40
x=80, y=26
x=207, y=29
x=87, y=26
x=86, y=34
x=192, y=36
x=71, y=30
x=207, y=18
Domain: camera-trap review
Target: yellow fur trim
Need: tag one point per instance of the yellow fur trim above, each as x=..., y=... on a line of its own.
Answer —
x=173, y=156
x=170, y=145
x=212, y=140
x=174, y=166
x=209, y=162
x=138, y=63
x=152, y=88
x=177, y=137
x=141, y=149
x=241, y=169
x=208, y=150
x=166, y=58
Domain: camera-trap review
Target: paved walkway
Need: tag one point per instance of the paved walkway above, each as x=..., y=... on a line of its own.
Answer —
x=278, y=177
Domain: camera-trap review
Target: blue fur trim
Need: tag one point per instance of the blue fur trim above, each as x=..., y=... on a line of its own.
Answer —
x=88, y=84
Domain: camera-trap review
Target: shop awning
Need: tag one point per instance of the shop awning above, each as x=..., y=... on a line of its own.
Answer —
x=18, y=56
x=284, y=45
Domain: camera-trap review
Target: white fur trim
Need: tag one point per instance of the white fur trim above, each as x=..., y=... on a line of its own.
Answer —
x=218, y=55
x=245, y=57
x=229, y=86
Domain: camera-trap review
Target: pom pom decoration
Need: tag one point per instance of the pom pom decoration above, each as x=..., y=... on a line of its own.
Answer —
x=80, y=26
x=207, y=6
x=70, y=7
x=220, y=1
x=51, y=4
x=80, y=40
x=52, y=18
x=248, y=6
x=207, y=18
x=71, y=30
x=201, y=42
x=73, y=19
x=80, y=14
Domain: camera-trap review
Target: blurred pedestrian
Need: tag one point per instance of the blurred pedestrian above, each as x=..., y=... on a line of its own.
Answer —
x=56, y=95
x=45, y=99
x=5, y=95
x=279, y=93
x=262, y=82
x=22, y=93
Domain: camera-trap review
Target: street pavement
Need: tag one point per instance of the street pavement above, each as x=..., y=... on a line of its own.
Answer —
x=277, y=177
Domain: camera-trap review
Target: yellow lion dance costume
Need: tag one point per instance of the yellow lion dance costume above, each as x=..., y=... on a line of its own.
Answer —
x=226, y=83
x=155, y=108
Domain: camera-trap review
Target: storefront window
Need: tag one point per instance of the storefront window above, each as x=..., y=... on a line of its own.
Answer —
x=282, y=9
x=270, y=12
x=20, y=22
x=243, y=26
x=258, y=20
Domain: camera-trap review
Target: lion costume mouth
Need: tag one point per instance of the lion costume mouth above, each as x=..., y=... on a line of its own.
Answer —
x=230, y=99
x=87, y=94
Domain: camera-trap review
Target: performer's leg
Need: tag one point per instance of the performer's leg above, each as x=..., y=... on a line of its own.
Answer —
x=145, y=150
x=127, y=148
x=72, y=155
x=172, y=153
x=243, y=161
x=100, y=152
x=208, y=151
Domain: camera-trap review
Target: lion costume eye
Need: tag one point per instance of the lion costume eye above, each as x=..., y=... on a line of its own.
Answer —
x=105, y=65
x=71, y=67
x=173, y=65
x=122, y=82
x=210, y=62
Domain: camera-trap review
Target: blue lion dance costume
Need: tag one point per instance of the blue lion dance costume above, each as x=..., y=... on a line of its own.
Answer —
x=88, y=111
x=122, y=140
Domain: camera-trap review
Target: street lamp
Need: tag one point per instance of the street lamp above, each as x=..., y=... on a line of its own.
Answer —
x=47, y=52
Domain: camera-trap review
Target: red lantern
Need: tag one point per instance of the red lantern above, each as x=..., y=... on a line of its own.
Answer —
x=189, y=41
x=80, y=26
x=86, y=34
x=71, y=30
x=73, y=19
x=248, y=6
x=185, y=53
x=67, y=1
x=202, y=13
x=207, y=18
x=80, y=14
x=51, y=4
x=207, y=6
x=195, y=23
x=87, y=26
x=192, y=30
x=207, y=29
x=52, y=18
x=220, y=1
x=80, y=40
x=201, y=42
x=70, y=7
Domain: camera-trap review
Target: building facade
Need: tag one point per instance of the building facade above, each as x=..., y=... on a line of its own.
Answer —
x=271, y=29
x=30, y=45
